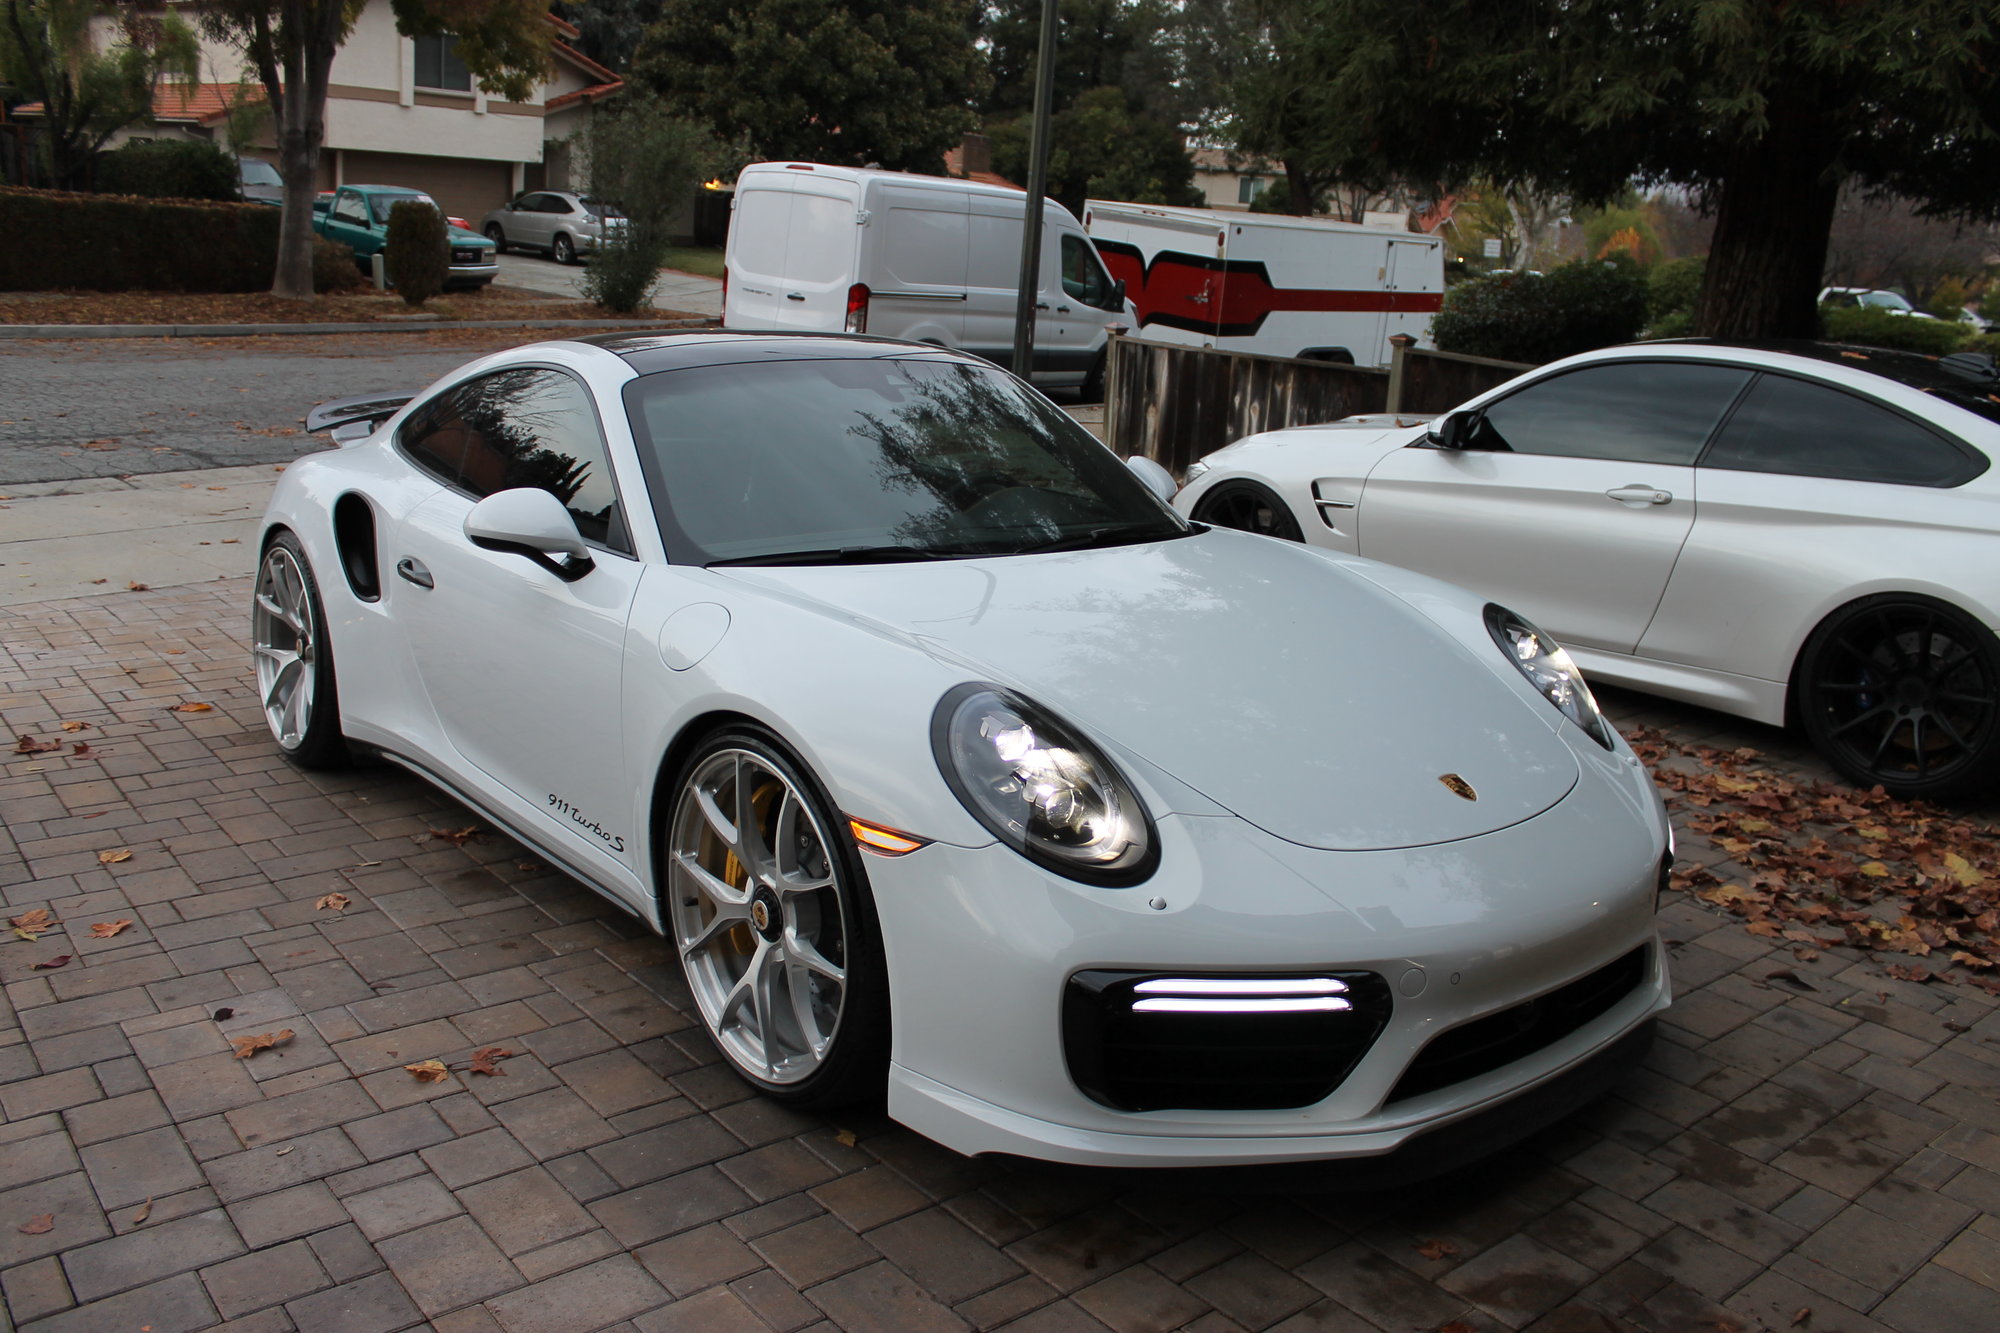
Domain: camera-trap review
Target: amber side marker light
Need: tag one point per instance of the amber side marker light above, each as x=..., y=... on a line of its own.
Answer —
x=886, y=841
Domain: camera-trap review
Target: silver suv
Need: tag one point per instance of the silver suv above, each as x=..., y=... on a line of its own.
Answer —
x=562, y=224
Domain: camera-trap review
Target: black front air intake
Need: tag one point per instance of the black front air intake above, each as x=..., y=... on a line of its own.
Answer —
x=1485, y=1044
x=1194, y=1041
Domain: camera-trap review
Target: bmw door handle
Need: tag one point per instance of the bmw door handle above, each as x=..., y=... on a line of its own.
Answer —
x=413, y=571
x=1639, y=495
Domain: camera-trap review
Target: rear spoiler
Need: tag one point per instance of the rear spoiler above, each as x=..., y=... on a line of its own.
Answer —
x=370, y=410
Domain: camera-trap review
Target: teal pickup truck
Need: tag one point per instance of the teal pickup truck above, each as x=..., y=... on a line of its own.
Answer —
x=358, y=216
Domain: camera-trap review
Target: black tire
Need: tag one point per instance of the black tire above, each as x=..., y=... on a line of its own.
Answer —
x=296, y=684
x=1903, y=691
x=563, y=249
x=1248, y=507
x=498, y=237
x=716, y=936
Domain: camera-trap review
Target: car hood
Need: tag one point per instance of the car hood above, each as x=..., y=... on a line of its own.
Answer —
x=460, y=236
x=1302, y=698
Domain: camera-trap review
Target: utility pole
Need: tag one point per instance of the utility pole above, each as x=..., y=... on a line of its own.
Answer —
x=1038, y=183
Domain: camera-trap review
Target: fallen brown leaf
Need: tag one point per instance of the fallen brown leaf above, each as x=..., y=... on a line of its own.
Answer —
x=112, y=858
x=429, y=1071
x=263, y=1041
x=333, y=902
x=845, y=1138
x=145, y=1211
x=457, y=837
x=223, y=1015
x=76, y=726
x=104, y=930
x=486, y=1060
x=1790, y=978
x=60, y=960
x=1437, y=1249
x=29, y=745
x=82, y=750
x=37, y=919
x=137, y=587
x=1805, y=1313
x=192, y=707
x=36, y=1226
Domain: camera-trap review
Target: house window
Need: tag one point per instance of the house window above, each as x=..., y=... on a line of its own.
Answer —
x=1246, y=188
x=438, y=65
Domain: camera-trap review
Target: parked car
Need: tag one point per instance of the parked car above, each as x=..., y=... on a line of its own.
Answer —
x=563, y=224
x=1809, y=534
x=259, y=181
x=358, y=216
x=1875, y=298
x=839, y=662
x=818, y=249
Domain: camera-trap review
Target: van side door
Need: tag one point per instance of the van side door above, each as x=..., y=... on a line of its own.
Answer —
x=822, y=249
x=759, y=223
x=914, y=263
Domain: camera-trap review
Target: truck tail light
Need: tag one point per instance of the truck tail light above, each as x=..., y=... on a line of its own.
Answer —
x=857, y=308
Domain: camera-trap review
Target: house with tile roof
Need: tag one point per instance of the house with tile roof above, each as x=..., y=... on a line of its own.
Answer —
x=402, y=111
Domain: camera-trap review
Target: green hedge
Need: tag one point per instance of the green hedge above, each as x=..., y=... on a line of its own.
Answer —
x=169, y=169
x=1540, y=317
x=1871, y=327
x=108, y=243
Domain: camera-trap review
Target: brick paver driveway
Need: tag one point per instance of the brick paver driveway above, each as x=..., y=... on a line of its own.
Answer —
x=1823, y=1160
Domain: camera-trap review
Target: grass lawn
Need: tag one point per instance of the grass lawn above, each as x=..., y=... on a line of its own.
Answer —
x=705, y=260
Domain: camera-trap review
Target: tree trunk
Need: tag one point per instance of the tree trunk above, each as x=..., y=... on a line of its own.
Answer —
x=1774, y=211
x=299, y=110
x=1299, y=190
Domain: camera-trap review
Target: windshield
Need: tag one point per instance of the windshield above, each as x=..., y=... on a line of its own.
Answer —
x=831, y=461
x=1885, y=300
x=382, y=203
x=604, y=208
x=254, y=172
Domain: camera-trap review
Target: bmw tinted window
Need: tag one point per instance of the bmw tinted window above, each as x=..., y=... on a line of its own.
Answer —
x=1812, y=430
x=529, y=427
x=1635, y=412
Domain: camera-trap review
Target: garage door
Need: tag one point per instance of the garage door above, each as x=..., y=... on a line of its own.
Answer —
x=466, y=189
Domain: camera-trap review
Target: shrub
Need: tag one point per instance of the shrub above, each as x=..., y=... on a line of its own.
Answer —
x=1871, y=327
x=101, y=243
x=169, y=169
x=1674, y=287
x=416, y=253
x=1540, y=317
x=621, y=273
x=334, y=269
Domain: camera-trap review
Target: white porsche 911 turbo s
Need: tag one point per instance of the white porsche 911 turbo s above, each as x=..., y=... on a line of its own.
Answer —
x=1802, y=532
x=952, y=761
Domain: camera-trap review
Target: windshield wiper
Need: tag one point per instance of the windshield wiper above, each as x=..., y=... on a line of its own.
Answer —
x=1123, y=535
x=852, y=555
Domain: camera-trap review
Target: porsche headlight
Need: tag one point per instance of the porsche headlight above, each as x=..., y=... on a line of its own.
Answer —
x=1040, y=787
x=1549, y=669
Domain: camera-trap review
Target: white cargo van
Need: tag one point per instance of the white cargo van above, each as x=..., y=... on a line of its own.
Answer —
x=930, y=258
x=1270, y=284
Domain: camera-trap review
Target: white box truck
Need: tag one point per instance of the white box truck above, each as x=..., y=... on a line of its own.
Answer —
x=1268, y=283
x=931, y=258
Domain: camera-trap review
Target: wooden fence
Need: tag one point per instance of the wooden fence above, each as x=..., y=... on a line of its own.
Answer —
x=1173, y=404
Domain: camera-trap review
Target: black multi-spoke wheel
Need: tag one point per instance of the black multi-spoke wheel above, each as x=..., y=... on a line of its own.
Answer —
x=769, y=910
x=1904, y=691
x=1248, y=507
x=288, y=643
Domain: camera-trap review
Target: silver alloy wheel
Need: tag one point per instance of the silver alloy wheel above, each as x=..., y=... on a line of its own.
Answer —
x=755, y=899
x=281, y=639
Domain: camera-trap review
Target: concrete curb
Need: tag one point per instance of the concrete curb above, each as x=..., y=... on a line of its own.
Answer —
x=68, y=331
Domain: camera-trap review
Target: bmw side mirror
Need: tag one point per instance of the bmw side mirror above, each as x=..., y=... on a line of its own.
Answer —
x=529, y=521
x=1154, y=477
x=1451, y=431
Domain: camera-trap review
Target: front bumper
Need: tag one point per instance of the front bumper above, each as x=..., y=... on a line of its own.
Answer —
x=981, y=945
x=472, y=275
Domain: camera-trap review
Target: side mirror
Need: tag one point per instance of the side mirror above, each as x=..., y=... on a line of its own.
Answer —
x=1154, y=477
x=531, y=522
x=1118, y=292
x=1451, y=431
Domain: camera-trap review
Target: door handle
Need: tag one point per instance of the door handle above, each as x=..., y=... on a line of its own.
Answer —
x=1062, y=310
x=1041, y=305
x=1636, y=495
x=413, y=571
x=795, y=296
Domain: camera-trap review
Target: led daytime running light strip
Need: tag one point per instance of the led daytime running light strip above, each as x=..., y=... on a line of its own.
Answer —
x=1245, y=995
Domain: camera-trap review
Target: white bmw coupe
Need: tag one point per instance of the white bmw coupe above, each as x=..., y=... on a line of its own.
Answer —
x=951, y=760
x=1802, y=532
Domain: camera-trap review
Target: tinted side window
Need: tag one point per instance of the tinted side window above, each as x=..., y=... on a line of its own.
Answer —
x=1637, y=412
x=1811, y=430
x=525, y=427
